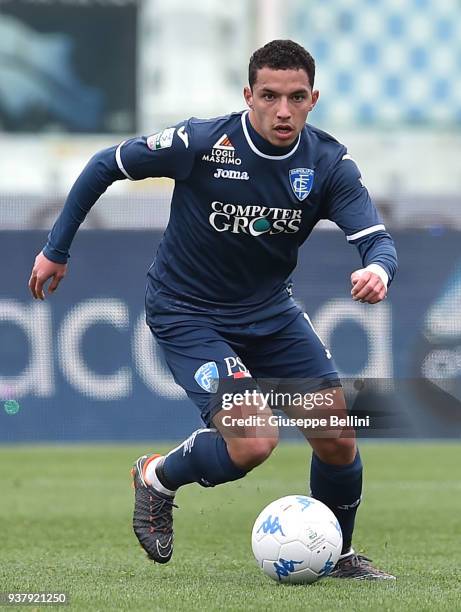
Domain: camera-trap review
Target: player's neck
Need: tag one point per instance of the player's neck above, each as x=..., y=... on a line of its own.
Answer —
x=264, y=145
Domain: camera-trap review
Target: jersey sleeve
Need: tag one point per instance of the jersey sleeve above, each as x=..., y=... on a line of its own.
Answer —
x=348, y=204
x=169, y=153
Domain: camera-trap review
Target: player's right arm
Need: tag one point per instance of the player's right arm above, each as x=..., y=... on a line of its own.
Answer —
x=167, y=153
x=349, y=205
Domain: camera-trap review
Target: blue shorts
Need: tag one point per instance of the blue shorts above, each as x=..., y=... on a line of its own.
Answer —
x=201, y=357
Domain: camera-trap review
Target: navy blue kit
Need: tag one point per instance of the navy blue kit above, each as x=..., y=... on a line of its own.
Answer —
x=219, y=294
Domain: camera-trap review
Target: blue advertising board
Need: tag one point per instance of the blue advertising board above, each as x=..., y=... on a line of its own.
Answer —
x=82, y=365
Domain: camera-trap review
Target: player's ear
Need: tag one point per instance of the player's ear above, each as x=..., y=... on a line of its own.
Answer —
x=315, y=97
x=248, y=95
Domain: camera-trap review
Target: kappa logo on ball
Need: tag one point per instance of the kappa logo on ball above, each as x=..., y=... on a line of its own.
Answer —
x=301, y=180
x=207, y=376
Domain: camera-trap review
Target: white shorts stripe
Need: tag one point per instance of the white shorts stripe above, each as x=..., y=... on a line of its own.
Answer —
x=327, y=352
x=306, y=316
x=118, y=159
x=366, y=231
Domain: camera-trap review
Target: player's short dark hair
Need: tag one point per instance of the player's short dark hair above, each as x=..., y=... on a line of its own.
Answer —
x=281, y=55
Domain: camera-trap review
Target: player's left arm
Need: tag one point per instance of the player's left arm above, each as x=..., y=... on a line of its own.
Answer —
x=166, y=153
x=349, y=205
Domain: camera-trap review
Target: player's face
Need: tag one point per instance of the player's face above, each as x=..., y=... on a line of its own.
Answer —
x=279, y=102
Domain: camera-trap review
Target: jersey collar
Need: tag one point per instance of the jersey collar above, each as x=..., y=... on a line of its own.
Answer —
x=260, y=146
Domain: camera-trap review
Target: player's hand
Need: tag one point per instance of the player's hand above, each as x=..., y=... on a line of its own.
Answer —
x=43, y=270
x=367, y=287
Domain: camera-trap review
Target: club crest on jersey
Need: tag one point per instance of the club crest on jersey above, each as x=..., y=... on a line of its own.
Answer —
x=207, y=376
x=301, y=181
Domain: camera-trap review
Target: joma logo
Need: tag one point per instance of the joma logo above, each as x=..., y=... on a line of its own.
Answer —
x=231, y=174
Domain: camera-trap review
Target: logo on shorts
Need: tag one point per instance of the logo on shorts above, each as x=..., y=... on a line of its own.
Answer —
x=236, y=368
x=301, y=180
x=207, y=376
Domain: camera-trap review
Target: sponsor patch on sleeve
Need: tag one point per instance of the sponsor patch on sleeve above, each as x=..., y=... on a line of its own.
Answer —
x=161, y=140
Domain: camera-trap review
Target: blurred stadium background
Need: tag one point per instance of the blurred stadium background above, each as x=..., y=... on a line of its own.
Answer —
x=80, y=75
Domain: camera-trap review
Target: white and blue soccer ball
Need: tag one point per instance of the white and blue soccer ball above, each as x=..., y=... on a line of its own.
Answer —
x=296, y=539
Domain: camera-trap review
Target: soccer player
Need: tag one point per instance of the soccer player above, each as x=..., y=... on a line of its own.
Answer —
x=249, y=189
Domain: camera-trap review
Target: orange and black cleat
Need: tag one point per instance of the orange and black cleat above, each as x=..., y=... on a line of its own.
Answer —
x=152, y=516
x=358, y=567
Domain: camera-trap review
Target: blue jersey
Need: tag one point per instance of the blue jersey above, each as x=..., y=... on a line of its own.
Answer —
x=240, y=210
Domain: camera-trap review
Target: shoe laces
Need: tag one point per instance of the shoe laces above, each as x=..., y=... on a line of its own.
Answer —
x=357, y=560
x=160, y=510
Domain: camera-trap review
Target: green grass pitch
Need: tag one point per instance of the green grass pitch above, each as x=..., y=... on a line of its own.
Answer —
x=66, y=526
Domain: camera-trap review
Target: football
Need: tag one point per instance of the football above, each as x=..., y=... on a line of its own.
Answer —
x=296, y=539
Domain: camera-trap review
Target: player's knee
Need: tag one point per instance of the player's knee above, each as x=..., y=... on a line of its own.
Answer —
x=337, y=451
x=247, y=453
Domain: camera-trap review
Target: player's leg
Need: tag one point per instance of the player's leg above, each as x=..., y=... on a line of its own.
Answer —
x=300, y=362
x=299, y=356
x=246, y=428
x=336, y=466
x=197, y=358
x=336, y=480
x=215, y=455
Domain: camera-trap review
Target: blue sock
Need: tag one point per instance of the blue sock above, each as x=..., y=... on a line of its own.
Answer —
x=340, y=488
x=202, y=458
